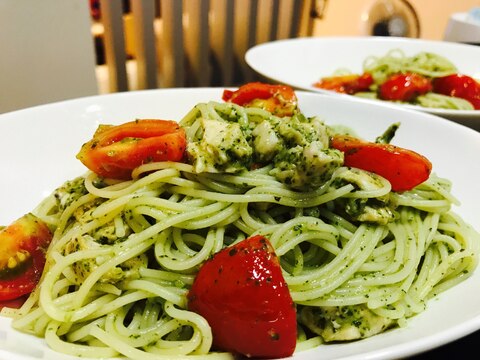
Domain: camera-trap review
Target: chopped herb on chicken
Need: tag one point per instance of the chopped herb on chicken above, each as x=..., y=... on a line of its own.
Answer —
x=343, y=323
x=370, y=209
x=297, y=146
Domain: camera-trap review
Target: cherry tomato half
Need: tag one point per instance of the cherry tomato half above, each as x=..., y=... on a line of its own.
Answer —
x=404, y=168
x=280, y=100
x=114, y=151
x=242, y=294
x=404, y=87
x=22, y=256
x=346, y=84
x=458, y=85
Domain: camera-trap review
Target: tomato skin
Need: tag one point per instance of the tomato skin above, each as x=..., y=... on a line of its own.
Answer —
x=22, y=256
x=404, y=168
x=14, y=303
x=280, y=100
x=404, y=87
x=346, y=84
x=243, y=295
x=114, y=151
x=458, y=85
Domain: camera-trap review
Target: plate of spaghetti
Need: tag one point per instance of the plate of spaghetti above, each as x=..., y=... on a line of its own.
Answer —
x=211, y=222
x=438, y=77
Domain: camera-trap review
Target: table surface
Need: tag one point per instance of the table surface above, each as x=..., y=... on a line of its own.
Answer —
x=454, y=350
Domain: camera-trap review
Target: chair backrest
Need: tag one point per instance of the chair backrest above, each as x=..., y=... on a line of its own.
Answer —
x=187, y=43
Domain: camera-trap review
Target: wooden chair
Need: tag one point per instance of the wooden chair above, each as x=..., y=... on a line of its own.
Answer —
x=187, y=43
x=48, y=49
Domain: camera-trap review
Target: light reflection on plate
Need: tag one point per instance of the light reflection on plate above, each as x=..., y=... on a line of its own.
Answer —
x=301, y=62
x=38, y=148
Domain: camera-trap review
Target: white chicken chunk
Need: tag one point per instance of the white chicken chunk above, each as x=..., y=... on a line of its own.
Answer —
x=82, y=269
x=374, y=210
x=305, y=161
x=343, y=323
x=104, y=236
x=266, y=141
x=223, y=147
x=297, y=146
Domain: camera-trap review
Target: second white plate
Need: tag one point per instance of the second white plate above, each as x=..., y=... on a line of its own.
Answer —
x=301, y=62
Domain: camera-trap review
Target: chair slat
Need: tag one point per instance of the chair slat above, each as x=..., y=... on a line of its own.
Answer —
x=263, y=20
x=115, y=56
x=143, y=12
x=287, y=19
x=274, y=14
x=305, y=27
x=245, y=34
x=197, y=42
x=296, y=19
x=171, y=48
x=221, y=36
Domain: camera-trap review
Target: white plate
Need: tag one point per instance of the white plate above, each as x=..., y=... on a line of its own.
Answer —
x=301, y=62
x=37, y=153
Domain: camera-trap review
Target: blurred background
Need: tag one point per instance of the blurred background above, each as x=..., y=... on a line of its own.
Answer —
x=55, y=49
x=426, y=19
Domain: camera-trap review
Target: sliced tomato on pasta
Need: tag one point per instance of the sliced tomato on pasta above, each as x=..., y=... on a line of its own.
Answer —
x=403, y=168
x=280, y=100
x=242, y=294
x=114, y=151
x=346, y=84
x=461, y=86
x=22, y=256
x=404, y=87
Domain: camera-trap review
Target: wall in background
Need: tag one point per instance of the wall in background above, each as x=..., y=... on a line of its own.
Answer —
x=47, y=52
x=351, y=17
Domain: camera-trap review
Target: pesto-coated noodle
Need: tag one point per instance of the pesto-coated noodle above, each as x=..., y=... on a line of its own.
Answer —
x=124, y=254
x=395, y=61
x=427, y=64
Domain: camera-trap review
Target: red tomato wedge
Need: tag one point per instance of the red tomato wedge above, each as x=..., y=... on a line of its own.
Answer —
x=404, y=168
x=114, y=151
x=242, y=294
x=346, y=84
x=22, y=256
x=280, y=100
x=404, y=87
x=458, y=85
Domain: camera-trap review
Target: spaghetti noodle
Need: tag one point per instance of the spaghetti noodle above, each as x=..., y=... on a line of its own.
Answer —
x=426, y=64
x=125, y=253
